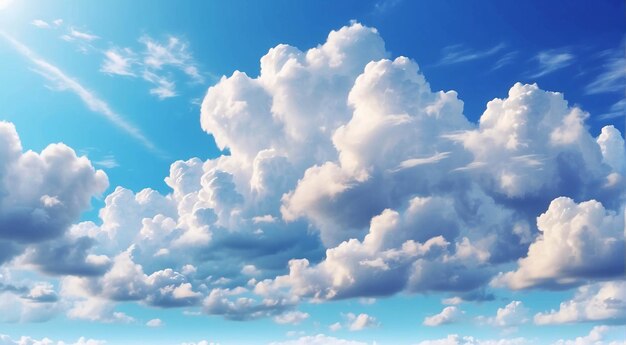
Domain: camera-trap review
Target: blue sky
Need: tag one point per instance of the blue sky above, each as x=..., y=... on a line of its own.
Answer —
x=328, y=192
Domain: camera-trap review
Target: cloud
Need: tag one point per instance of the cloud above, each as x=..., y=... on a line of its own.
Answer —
x=618, y=109
x=511, y=315
x=597, y=302
x=41, y=194
x=65, y=82
x=595, y=337
x=348, y=177
x=291, y=317
x=39, y=305
x=578, y=242
x=40, y=24
x=108, y=161
x=457, y=53
x=552, y=60
x=163, y=89
x=455, y=339
x=446, y=316
x=119, y=61
x=319, y=339
x=155, y=323
x=25, y=340
x=505, y=60
x=218, y=302
x=613, y=76
x=361, y=321
x=155, y=64
x=76, y=34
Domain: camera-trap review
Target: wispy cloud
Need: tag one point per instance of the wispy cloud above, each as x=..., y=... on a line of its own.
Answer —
x=75, y=34
x=119, y=61
x=156, y=64
x=504, y=60
x=40, y=23
x=383, y=6
x=173, y=53
x=164, y=88
x=65, y=82
x=613, y=77
x=552, y=60
x=457, y=53
x=107, y=161
x=617, y=110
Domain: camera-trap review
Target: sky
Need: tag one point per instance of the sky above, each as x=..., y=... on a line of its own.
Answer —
x=312, y=172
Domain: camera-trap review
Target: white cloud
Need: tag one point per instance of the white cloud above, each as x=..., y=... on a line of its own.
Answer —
x=25, y=340
x=511, y=315
x=447, y=315
x=454, y=339
x=291, y=317
x=41, y=194
x=458, y=53
x=595, y=337
x=164, y=88
x=577, y=242
x=613, y=149
x=319, y=339
x=119, y=61
x=155, y=323
x=40, y=23
x=613, y=76
x=81, y=35
x=361, y=321
x=552, y=60
x=597, y=302
x=155, y=63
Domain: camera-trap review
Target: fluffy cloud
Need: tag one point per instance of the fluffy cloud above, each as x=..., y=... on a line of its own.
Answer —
x=361, y=321
x=595, y=337
x=578, y=242
x=319, y=339
x=155, y=323
x=598, y=302
x=454, y=339
x=292, y=317
x=511, y=315
x=41, y=194
x=447, y=315
x=6, y=340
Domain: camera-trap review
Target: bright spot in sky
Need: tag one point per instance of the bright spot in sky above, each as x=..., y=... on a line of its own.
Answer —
x=4, y=4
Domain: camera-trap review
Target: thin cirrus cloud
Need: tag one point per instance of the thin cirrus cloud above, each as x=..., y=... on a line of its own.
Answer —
x=155, y=63
x=457, y=53
x=93, y=102
x=613, y=76
x=552, y=60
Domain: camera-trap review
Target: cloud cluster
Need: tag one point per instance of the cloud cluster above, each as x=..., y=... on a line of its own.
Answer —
x=348, y=177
